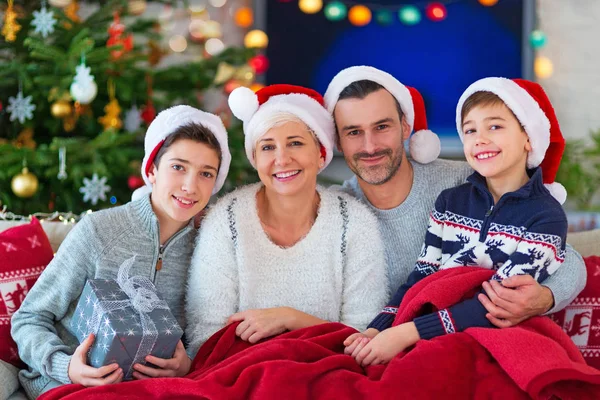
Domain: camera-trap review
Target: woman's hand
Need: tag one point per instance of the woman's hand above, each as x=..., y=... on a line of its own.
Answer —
x=387, y=344
x=258, y=324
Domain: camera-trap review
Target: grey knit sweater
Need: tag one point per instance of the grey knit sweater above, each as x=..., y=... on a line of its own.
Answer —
x=95, y=248
x=403, y=228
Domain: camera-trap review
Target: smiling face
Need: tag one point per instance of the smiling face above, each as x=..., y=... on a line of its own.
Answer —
x=494, y=142
x=371, y=135
x=183, y=181
x=288, y=158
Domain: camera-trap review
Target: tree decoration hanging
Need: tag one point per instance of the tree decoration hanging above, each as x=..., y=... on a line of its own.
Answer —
x=11, y=26
x=94, y=189
x=71, y=11
x=149, y=112
x=133, y=119
x=24, y=184
x=20, y=107
x=43, y=21
x=116, y=36
x=113, y=110
x=84, y=88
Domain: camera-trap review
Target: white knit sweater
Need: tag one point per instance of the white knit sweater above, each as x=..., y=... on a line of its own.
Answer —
x=336, y=272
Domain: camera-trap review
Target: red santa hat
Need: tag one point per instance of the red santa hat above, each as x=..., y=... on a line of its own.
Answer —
x=530, y=104
x=169, y=120
x=424, y=145
x=306, y=104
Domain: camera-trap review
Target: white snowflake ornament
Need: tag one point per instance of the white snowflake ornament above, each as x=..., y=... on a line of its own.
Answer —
x=20, y=108
x=43, y=21
x=133, y=119
x=94, y=189
x=83, y=88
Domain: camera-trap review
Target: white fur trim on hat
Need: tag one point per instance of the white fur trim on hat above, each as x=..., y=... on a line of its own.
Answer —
x=167, y=121
x=359, y=73
x=523, y=105
x=141, y=192
x=307, y=109
x=557, y=191
x=424, y=146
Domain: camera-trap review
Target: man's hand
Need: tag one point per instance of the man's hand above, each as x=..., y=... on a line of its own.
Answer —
x=387, y=344
x=258, y=324
x=355, y=342
x=179, y=365
x=80, y=372
x=518, y=298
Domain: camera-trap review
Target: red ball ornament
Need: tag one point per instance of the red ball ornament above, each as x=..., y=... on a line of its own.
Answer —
x=436, y=11
x=135, y=181
x=259, y=63
x=1, y=106
x=149, y=113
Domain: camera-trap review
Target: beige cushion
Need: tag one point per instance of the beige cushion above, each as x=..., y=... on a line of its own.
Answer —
x=587, y=243
x=56, y=231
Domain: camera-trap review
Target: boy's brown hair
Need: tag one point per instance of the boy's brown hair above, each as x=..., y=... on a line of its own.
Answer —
x=483, y=99
x=191, y=131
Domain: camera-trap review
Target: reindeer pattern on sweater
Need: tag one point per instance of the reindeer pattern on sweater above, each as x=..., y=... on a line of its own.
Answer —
x=523, y=233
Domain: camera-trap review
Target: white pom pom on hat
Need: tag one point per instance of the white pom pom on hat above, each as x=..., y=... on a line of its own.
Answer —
x=243, y=103
x=304, y=103
x=167, y=122
x=424, y=145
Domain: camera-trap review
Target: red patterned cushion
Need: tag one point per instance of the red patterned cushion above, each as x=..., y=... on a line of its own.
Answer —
x=24, y=253
x=581, y=319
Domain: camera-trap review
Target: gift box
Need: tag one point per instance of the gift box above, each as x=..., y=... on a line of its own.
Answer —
x=129, y=319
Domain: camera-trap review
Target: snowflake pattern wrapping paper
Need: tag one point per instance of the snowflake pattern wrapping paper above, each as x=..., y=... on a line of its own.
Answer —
x=94, y=189
x=119, y=334
x=20, y=107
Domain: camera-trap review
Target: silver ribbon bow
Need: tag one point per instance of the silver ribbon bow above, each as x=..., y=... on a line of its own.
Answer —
x=142, y=298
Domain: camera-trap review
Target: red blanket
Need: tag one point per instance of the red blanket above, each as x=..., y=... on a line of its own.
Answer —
x=535, y=360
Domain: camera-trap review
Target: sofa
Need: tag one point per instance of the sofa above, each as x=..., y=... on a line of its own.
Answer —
x=587, y=243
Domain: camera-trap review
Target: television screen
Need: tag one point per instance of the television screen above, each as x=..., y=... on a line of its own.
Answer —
x=440, y=59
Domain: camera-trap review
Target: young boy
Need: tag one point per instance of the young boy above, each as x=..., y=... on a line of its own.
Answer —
x=186, y=160
x=505, y=218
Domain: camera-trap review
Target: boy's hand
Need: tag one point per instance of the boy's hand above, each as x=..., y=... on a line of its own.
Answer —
x=387, y=344
x=355, y=342
x=177, y=366
x=81, y=373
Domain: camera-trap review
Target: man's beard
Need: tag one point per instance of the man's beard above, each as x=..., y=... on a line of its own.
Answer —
x=378, y=174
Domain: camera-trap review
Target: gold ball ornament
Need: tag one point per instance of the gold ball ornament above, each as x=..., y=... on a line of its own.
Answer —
x=25, y=184
x=136, y=7
x=60, y=109
x=59, y=3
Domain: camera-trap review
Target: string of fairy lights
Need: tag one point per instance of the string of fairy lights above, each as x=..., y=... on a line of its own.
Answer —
x=410, y=14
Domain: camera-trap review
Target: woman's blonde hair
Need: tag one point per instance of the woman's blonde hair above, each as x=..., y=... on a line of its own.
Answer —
x=280, y=118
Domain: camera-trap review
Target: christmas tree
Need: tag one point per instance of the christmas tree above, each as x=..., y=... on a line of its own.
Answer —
x=76, y=97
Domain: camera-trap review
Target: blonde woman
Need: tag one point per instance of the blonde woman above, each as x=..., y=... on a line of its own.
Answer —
x=285, y=253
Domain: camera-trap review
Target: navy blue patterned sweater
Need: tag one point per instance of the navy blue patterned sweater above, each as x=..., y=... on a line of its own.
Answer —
x=524, y=233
